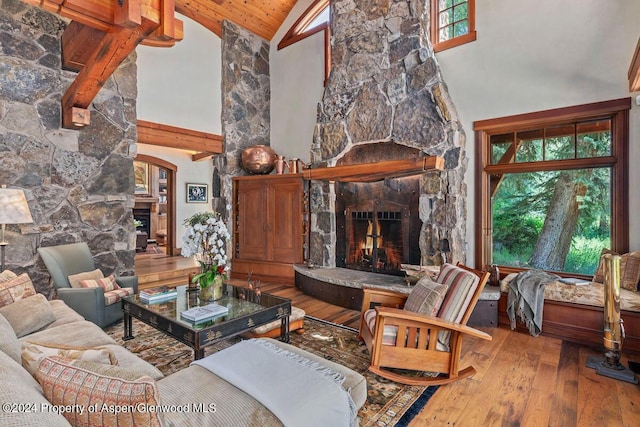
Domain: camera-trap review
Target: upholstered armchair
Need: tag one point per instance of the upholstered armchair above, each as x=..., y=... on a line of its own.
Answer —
x=422, y=331
x=72, y=259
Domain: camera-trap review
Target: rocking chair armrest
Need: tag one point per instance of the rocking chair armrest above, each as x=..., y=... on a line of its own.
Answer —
x=437, y=322
x=382, y=296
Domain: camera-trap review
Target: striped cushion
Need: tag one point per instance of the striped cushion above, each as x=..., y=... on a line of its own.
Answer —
x=426, y=297
x=462, y=284
x=116, y=295
x=390, y=332
x=106, y=283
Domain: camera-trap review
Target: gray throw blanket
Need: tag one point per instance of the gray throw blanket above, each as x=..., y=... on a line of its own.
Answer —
x=526, y=299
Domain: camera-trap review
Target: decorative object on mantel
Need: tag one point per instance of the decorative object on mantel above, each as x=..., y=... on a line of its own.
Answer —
x=259, y=159
x=14, y=209
x=205, y=238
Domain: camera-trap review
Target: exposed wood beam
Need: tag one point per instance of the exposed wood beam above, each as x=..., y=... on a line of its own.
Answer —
x=109, y=54
x=370, y=172
x=79, y=42
x=205, y=144
x=634, y=70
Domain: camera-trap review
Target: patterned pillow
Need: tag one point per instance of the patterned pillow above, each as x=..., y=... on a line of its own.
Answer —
x=116, y=295
x=16, y=289
x=32, y=353
x=88, y=384
x=106, y=283
x=74, y=279
x=7, y=275
x=426, y=297
x=629, y=269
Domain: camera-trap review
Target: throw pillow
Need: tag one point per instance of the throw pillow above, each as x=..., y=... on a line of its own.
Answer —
x=106, y=283
x=16, y=289
x=33, y=352
x=74, y=279
x=599, y=275
x=426, y=297
x=7, y=275
x=29, y=314
x=76, y=382
x=630, y=271
x=9, y=343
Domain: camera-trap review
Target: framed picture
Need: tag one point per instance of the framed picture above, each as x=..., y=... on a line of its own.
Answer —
x=142, y=178
x=197, y=193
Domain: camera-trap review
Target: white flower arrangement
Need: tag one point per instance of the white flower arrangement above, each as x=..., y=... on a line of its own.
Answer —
x=205, y=237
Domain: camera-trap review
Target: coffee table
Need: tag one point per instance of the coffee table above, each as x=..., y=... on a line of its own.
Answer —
x=247, y=310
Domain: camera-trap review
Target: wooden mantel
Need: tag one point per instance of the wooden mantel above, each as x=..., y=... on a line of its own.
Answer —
x=370, y=172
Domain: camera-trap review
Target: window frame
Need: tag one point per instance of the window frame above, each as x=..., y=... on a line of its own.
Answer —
x=297, y=32
x=439, y=46
x=617, y=110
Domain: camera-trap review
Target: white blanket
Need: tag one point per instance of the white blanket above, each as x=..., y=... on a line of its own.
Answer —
x=295, y=389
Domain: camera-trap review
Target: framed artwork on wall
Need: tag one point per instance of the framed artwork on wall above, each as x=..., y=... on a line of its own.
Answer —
x=142, y=178
x=197, y=193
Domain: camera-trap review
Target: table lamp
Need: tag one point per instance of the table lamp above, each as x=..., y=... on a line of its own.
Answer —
x=13, y=210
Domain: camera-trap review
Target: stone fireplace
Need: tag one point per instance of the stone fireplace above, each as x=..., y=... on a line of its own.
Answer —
x=386, y=99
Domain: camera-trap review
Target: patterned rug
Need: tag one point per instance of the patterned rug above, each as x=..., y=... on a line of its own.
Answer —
x=388, y=403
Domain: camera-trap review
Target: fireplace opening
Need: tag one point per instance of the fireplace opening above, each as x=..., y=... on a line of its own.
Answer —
x=378, y=226
x=144, y=216
x=376, y=241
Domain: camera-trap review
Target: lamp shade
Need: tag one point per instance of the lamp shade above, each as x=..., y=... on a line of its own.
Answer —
x=14, y=208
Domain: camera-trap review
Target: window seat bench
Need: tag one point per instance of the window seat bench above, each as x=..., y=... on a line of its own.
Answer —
x=576, y=313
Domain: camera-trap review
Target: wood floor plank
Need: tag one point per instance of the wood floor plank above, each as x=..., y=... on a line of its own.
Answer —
x=565, y=403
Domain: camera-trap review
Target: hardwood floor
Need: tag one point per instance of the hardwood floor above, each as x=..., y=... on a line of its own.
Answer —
x=521, y=380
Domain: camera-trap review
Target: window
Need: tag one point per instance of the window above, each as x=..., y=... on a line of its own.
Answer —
x=552, y=188
x=452, y=23
x=314, y=19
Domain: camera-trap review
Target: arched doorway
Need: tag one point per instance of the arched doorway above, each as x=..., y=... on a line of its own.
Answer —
x=161, y=200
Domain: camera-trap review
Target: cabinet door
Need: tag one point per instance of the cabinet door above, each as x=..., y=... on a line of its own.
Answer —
x=285, y=216
x=252, y=225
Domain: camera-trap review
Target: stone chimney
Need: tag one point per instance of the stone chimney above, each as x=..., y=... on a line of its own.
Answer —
x=386, y=88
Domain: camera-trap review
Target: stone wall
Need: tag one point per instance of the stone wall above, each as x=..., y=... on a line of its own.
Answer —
x=79, y=184
x=246, y=92
x=386, y=86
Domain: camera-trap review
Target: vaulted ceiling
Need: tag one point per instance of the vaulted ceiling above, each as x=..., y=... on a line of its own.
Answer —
x=261, y=17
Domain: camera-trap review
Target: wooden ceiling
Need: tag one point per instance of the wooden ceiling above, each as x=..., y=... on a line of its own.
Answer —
x=261, y=17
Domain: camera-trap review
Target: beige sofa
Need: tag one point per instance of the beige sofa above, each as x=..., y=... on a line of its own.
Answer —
x=24, y=402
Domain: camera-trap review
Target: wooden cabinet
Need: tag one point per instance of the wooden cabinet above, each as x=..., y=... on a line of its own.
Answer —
x=270, y=226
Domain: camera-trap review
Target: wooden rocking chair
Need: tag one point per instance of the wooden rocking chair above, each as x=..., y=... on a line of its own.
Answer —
x=414, y=341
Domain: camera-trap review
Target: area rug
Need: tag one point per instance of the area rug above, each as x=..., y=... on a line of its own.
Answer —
x=388, y=403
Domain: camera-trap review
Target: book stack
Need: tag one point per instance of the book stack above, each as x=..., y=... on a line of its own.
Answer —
x=575, y=281
x=207, y=312
x=158, y=294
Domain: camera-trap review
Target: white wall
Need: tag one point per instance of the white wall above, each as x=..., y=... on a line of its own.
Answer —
x=532, y=56
x=528, y=56
x=181, y=86
x=297, y=75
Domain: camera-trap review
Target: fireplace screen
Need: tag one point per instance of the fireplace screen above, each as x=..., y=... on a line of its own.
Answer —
x=377, y=240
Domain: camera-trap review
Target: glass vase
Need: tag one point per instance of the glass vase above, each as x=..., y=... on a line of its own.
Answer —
x=213, y=291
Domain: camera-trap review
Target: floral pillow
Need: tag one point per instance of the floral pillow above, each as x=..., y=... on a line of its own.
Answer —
x=16, y=289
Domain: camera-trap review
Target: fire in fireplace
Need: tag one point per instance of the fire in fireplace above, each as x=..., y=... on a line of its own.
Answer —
x=378, y=227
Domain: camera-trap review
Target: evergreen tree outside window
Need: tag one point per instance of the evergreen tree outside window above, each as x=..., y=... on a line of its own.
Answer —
x=552, y=188
x=452, y=23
